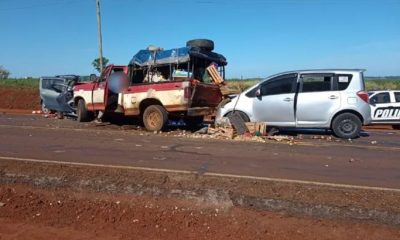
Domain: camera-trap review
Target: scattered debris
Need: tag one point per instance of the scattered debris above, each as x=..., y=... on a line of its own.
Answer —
x=221, y=132
x=281, y=138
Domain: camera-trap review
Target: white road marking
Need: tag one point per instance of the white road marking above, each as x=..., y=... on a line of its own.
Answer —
x=223, y=175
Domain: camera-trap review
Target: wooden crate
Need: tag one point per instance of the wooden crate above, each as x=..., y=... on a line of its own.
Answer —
x=212, y=70
x=255, y=127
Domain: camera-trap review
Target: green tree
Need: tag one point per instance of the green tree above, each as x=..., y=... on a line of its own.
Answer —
x=96, y=63
x=4, y=73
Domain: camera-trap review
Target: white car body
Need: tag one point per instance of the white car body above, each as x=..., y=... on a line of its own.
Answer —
x=306, y=99
x=385, y=107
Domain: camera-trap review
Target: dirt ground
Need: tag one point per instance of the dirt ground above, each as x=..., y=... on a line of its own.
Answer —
x=19, y=98
x=32, y=213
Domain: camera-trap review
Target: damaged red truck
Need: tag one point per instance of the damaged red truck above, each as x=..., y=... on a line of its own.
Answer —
x=162, y=85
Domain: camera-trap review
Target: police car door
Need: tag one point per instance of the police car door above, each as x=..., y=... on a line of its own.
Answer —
x=380, y=107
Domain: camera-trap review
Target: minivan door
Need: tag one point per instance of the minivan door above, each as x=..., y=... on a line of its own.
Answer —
x=274, y=103
x=317, y=100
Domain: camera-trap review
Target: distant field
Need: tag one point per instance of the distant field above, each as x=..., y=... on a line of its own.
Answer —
x=25, y=83
x=374, y=84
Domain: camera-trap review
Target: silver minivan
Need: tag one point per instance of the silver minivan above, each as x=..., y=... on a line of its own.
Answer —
x=329, y=98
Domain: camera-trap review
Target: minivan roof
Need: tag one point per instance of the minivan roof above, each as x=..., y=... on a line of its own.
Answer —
x=326, y=70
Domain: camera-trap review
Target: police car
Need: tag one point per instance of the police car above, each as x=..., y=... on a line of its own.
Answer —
x=385, y=107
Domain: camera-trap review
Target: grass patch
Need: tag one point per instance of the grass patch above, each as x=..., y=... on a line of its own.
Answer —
x=375, y=84
x=21, y=83
x=382, y=84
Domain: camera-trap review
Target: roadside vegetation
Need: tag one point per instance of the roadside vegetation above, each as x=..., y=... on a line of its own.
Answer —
x=20, y=82
x=242, y=84
x=370, y=83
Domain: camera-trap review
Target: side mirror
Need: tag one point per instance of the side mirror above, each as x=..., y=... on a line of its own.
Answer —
x=258, y=93
x=92, y=77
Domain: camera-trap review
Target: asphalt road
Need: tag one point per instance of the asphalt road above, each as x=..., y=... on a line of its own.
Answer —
x=372, y=160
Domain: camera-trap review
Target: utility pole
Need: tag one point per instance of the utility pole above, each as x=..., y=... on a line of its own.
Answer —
x=99, y=35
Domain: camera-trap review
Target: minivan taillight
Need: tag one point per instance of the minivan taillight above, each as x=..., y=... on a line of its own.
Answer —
x=363, y=95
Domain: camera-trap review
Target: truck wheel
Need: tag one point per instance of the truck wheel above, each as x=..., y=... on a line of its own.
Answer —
x=397, y=127
x=204, y=44
x=346, y=125
x=155, y=118
x=82, y=113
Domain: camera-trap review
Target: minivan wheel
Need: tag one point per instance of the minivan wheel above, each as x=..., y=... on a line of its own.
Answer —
x=397, y=127
x=45, y=110
x=82, y=113
x=241, y=114
x=155, y=118
x=346, y=125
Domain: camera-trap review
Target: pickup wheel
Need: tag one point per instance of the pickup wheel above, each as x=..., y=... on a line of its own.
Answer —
x=155, y=117
x=83, y=115
x=346, y=125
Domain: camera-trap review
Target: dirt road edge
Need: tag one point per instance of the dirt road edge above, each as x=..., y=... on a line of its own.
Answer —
x=381, y=206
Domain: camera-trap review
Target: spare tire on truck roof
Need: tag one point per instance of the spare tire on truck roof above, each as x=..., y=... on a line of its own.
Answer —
x=204, y=44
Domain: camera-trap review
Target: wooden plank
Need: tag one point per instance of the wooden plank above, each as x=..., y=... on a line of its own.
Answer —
x=212, y=70
x=251, y=126
x=238, y=123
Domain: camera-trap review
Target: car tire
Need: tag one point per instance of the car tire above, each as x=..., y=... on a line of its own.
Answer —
x=204, y=44
x=83, y=115
x=396, y=127
x=346, y=126
x=45, y=110
x=155, y=118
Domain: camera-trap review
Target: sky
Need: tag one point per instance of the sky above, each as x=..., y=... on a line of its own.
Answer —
x=258, y=37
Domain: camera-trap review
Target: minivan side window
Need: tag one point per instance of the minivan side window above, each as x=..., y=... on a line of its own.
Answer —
x=382, y=97
x=50, y=83
x=279, y=85
x=316, y=83
x=342, y=81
